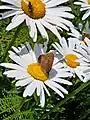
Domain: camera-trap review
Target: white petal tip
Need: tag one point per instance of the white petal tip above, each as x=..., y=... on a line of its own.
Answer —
x=70, y=83
x=17, y=85
x=85, y=80
x=49, y=95
x=42, y=106
x=34, y=39
x=1, y=64
x=62, y=96
x=83, y=18
x=4, y=73
x=7, y=29
x=73, y=16
x=66, y=92
x=24, y=95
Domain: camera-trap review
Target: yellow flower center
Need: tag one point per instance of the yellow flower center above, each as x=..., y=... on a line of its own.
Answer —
x=33, y=8
x=86, y=35
x=71, y=60
x=89, y=2
x=37, y=72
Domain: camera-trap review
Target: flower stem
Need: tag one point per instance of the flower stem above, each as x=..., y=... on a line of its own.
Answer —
x=85, y=114
x=11, y=43
x=66, y=99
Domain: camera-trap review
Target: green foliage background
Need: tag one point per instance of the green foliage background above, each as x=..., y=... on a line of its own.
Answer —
x=75, y=106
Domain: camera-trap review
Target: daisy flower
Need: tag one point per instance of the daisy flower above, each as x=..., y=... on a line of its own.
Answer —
x=84, y=49
x=85, y=6
x=80, y=36
x=37, y=70
x=70, y=58
x=38, y=14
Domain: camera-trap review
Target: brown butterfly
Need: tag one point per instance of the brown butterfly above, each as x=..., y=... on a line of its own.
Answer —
x=46, y=61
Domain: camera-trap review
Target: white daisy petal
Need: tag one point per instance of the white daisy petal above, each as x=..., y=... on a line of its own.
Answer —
x=16, y=50
x=54, y=88
x=61, y=8
x=33, y=30
x=17, y=74
x=46, y=90
x=14, y=2
x=58, y=65
x=18, y=60
x=12, y=66
x=58, y=48
x=30, y=89
x=28, y=47
x=38, y=50
x=42, y=29
x=42, y=97
x=16, y=22
x=49, y=18
x=24, y=82
x=39, y=88
x=53, y=3
x=60, y=80
x=10, y=13
x=54, y=84
x=51, y=28
x=63, y=43
x=9, y=7
x=64, y=74
x=86, y=15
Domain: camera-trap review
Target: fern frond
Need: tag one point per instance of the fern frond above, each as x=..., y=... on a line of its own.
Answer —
x=10, y=109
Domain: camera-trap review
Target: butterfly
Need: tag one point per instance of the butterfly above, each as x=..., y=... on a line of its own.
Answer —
x=46, y=61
